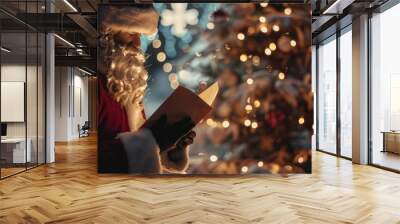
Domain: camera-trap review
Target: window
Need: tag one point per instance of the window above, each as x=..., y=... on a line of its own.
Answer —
x=346, y=93
x=327, y=96
x=385, y=89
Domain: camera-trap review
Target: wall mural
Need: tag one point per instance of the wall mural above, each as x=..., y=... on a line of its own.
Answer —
x=194, y=88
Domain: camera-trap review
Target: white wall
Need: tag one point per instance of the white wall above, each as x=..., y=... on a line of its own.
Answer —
x=71, y=102
x=61, y=103
x=16, y=73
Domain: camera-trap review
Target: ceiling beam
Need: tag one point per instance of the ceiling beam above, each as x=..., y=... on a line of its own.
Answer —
x=84, y=24
x=81, y=61
x=337, y=7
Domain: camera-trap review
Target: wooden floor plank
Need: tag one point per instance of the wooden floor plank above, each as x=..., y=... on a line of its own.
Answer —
x=71, y=191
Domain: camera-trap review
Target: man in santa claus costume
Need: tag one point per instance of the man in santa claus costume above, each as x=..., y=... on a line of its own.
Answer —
x=122, y=145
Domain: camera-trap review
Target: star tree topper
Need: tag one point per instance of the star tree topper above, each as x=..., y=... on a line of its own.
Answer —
x=179, y=17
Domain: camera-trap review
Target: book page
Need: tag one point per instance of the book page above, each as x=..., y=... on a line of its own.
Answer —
x=209, y=94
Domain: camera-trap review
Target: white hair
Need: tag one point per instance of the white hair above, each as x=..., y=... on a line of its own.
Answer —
x=126, y=74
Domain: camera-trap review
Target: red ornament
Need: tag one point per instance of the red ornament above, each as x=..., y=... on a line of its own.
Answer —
x=220, y=16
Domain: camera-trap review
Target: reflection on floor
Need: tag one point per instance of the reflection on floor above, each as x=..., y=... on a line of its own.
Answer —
x=8, y=170
x=387, y=159
x=71, y=191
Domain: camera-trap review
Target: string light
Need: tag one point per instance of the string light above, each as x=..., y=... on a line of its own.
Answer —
x=251, y=30
x=260, y=164
x=210, y=26
x=293, y=43
x=275, y=28
x=281, y=76
x=287, y=11
x=275, y=168
x=288, y=168
x=156, y=43
x=167, y=67
x=257, y=103
x=268, y=51
x=300, y=159
x=173, y=77
x=210, y=122
x=301, y=120
x=243, y=57
x=161, y=57
x=264, y=29
x=250, y=81
x=213, y=158
x=262, y=19
x=248, y=107
x=225, y=124
x=240, y=36
x=174, y=84
x=254, y=125
x=245, y=169
x=247, y=123
x=256, y=60
x=272, y=46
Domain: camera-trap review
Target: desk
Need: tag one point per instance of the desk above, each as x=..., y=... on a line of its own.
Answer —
x=13, y=150
x=391, y=141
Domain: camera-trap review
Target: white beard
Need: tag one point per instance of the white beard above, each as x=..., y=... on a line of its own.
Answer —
x=126, y=74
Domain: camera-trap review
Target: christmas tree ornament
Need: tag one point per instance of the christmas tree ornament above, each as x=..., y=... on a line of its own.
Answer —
x=179, y=17
x=220, y=16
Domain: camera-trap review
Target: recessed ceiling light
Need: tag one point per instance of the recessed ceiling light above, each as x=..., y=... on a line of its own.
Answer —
x=84, y=71
x=70, y=5
x=64, y=40
x=5, y=50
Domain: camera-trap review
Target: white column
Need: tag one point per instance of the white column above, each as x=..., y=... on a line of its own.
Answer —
x=360, y=90
x=50, y=92
x=314, y=90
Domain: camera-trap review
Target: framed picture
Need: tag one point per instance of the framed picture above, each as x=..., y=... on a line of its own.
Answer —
x=215, y=88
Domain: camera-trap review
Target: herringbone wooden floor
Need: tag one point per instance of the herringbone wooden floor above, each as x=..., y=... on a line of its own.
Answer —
x=71, y=191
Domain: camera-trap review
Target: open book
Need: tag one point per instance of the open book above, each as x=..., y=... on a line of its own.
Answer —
x=179, y=114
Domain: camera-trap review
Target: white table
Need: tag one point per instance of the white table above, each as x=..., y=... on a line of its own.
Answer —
x=18, y=148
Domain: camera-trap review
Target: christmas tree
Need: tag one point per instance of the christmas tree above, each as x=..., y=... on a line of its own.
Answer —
x=261, y=56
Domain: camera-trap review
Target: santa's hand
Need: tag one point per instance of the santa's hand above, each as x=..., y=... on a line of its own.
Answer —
x=177, y=158
x=167, y=134
x=186, y=140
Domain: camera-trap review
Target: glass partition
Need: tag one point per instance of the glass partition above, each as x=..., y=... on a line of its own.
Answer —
x=22, y=90
x=13, y=94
